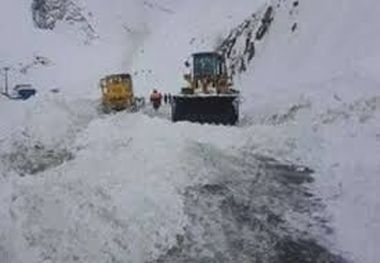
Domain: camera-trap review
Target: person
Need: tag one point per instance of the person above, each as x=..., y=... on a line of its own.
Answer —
x=165, y=98
x=170, y=98
x=155, y=99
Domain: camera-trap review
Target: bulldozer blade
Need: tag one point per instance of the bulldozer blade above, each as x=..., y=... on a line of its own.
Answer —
x=213, y=109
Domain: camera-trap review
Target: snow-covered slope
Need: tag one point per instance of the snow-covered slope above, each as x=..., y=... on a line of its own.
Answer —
x=320, y=82
x=338, y=43
x=76, y=186
x=81, y=41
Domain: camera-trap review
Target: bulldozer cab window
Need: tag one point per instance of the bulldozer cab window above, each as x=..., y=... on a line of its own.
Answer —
x=207, y=65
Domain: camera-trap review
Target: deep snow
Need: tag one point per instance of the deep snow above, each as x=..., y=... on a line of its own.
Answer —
x=327, y=67
x=136, y=188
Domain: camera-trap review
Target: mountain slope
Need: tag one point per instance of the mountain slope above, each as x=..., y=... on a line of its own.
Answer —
x=319, y=81
x=82, y=40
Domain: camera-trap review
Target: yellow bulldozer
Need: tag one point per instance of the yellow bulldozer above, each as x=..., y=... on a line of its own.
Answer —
x=209, y=97
x=117, y=93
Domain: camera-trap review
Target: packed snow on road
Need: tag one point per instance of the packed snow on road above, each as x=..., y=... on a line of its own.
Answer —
x=295, y=180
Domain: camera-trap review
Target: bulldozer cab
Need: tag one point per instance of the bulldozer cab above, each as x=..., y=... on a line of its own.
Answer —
x=117, y=91
x=209, y=74
x=208, y=64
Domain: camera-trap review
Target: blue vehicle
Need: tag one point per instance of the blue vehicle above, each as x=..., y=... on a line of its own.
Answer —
x=24, y=91
x=21, y=92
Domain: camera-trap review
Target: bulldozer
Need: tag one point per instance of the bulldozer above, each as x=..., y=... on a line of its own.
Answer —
x=209, y=96
x=117, y=93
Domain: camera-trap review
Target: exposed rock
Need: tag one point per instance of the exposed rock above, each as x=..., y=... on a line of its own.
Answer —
x=239, y=46
x=47, y=13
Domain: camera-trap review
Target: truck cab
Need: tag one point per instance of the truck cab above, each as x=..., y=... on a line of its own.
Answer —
x=117, y=91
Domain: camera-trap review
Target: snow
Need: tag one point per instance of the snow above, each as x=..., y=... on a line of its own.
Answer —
x=112, y=187
x=327, y=66
x=124, y=185
x=75, y=65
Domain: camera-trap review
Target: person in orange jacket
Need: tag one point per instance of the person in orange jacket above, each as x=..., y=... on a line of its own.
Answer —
x=155, y=99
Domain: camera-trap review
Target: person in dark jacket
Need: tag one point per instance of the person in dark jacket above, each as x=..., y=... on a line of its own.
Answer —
x=166, y=98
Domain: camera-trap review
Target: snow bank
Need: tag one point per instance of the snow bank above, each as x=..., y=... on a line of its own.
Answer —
x=313, y=97
x=119, y=198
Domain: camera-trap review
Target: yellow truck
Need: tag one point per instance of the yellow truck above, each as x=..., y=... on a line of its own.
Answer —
x=117, y=92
